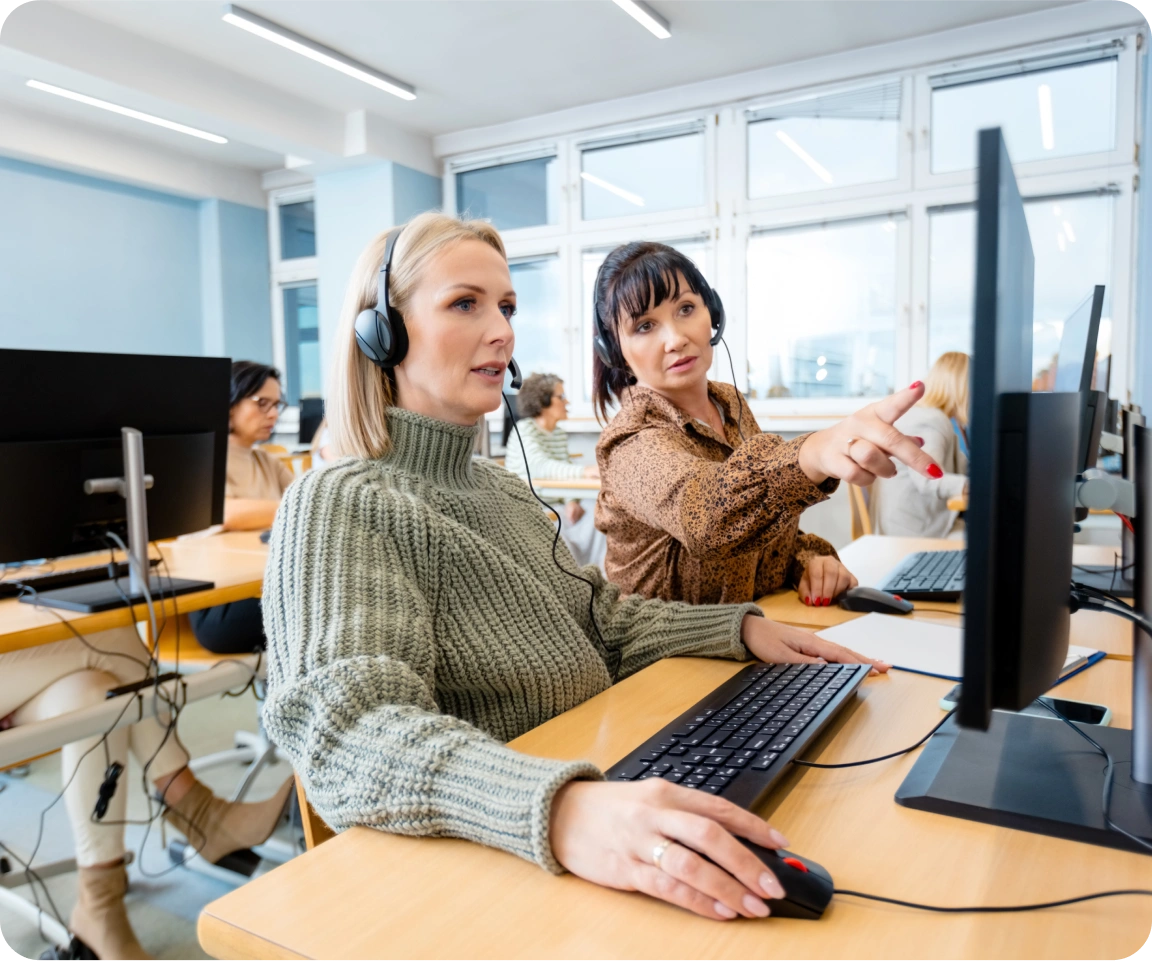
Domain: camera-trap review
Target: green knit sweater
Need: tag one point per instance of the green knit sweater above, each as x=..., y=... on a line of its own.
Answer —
x=416, y=621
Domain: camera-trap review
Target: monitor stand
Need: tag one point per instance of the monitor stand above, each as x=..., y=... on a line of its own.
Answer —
x=109, y=594
x=1031, y=773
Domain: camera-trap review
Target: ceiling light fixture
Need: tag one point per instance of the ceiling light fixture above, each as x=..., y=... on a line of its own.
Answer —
x=1068, y=231
x=816, y=166
x=613, y=189
x=126, y=111
x=648, y=18
x=1044, y=95
x=297, y=43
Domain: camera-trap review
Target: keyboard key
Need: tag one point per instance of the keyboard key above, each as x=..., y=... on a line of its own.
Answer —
x=718, y=779
x=737, y=761
x=759, y=743
x=728, y=771
x=735, y=742
x=711, y=788
x=782, y=743
x=678, y=750
x=746, y=754
x=764, y=762
x=660, y=768
x=695, y=779
x=632, y=770
x=674, y=776
x=652, y=756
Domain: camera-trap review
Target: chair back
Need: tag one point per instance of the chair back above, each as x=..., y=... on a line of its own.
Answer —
x=861, y=517
x=315, y=830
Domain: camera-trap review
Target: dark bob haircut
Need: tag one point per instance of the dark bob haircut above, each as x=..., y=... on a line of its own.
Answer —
x=536, y=394
x=248, y=377
x=633, y=279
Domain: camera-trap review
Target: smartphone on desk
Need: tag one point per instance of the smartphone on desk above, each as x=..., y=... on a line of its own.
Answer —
x=1081, y=712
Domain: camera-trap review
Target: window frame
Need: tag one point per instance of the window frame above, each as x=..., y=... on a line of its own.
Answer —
x=296, y=272
x=729, y=216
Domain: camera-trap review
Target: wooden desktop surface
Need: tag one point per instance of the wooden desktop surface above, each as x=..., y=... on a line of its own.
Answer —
x=367, y=894
x=234, y=562
x=872, y=557
x=588, y=484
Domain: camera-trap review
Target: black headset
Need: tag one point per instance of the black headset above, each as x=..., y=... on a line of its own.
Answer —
x=615, y=359
x=380, y=331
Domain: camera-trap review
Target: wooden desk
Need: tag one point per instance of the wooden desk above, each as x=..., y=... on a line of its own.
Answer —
x=366, y=894
x=576, y=489
x=234, y=562
x=871, y=558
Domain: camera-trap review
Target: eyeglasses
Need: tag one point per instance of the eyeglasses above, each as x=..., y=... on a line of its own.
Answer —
x=266, y=404
x=561, y=397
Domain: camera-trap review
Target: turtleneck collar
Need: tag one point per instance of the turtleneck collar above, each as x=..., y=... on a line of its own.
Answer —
x=435, y=449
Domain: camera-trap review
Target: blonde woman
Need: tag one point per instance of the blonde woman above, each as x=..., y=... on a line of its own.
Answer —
x=416, y=619
x=908, y=504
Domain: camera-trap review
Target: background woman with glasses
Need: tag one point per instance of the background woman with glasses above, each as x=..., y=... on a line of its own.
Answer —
x=255, y=483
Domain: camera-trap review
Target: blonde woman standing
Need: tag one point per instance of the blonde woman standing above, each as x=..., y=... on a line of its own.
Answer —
x=909, y=504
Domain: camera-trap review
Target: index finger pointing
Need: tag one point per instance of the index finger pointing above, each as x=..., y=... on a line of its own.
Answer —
x=895, y=406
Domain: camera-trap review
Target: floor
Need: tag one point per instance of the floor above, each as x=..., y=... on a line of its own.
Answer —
x=162, y=904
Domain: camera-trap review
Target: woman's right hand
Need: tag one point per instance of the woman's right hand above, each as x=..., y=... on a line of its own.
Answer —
x=607, y=833
x=592, y=472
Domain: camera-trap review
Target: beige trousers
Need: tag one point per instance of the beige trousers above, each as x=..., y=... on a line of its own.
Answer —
x=52, y=679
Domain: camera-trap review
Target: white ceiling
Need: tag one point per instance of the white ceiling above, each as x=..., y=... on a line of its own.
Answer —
x=481, y=62
x=474, y=63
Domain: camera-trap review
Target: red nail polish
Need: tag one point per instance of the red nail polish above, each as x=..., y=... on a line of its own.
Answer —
x=935, y=472
x=915, y=385
x=808, y=601
x=920, y=441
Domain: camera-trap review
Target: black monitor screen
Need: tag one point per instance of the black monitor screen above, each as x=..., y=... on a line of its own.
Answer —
x=1077, y=357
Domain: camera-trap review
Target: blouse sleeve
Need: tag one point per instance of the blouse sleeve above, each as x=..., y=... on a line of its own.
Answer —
x=714, y=509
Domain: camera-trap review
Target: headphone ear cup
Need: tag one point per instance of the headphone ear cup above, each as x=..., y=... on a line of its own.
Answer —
x=368, y=336
x=397, y=334
x=601, y=350
x=716, y=309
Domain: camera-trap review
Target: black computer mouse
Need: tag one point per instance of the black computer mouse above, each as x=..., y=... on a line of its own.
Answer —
x=873, y=600
x=807, y=886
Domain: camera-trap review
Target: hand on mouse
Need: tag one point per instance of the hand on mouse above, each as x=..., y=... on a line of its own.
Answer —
x=608, y=833
x=823, y=579
x=860, y=448
x=776, y=643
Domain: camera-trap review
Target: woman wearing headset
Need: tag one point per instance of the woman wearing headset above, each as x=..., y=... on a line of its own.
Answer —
x=416, y=619
x=697, y=504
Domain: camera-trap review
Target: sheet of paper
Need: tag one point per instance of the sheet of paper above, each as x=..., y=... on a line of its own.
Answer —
x=923, y=646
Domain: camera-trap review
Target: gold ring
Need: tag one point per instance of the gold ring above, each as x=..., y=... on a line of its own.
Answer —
x=658, y=852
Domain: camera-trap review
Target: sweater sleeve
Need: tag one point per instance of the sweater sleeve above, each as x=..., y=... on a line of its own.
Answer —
x=638, y=632
x=715, y=509
x=351, y=687
x=542, y=464
x=936, y=445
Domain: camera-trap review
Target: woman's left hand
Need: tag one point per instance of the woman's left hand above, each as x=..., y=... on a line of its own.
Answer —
x=776, y=643
x=823, y=579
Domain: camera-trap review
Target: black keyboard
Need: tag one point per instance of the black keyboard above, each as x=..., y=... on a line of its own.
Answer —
x=10, y=587
x=928, y=576
x=741, y=738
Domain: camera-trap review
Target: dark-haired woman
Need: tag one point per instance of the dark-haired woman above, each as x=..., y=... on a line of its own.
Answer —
x=697, y=503
x=256, y=481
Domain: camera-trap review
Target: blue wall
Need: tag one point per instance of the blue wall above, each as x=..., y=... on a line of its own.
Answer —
x=90, y=264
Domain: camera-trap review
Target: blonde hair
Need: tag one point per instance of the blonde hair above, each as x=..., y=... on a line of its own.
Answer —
x=947, y=385
x=359, y=391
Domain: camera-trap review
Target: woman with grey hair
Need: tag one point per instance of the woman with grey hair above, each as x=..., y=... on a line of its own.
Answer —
x=542, y=405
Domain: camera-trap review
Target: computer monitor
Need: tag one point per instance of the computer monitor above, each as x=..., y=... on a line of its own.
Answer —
x=511, y=415
x=72, y=407
x=1077, y=358
x=989, y=763
x=311, y=416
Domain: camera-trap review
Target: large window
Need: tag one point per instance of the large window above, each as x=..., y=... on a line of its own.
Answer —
x=295, y=323
x=620, y=179
x=1044, y=113
x=836, y=221
x=297, y=230
x=301, y=343
x=541, y=336
x=510, y=195
x=800, y=146
x=822, y=310
x=1072, y=247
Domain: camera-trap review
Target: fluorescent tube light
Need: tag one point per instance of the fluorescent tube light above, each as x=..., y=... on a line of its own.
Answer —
x=1069, y=232
x=297, y=43
x=644, y=15
x=613, y=189
x=125, y=111
x=1060, y=243
x=1044, y=95
x=803, y=154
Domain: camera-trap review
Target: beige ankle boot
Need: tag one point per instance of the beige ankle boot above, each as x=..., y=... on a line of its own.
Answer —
x=215, y=827
x=99, y=918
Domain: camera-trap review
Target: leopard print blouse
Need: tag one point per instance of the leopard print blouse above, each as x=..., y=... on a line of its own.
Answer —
x=693, y=516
